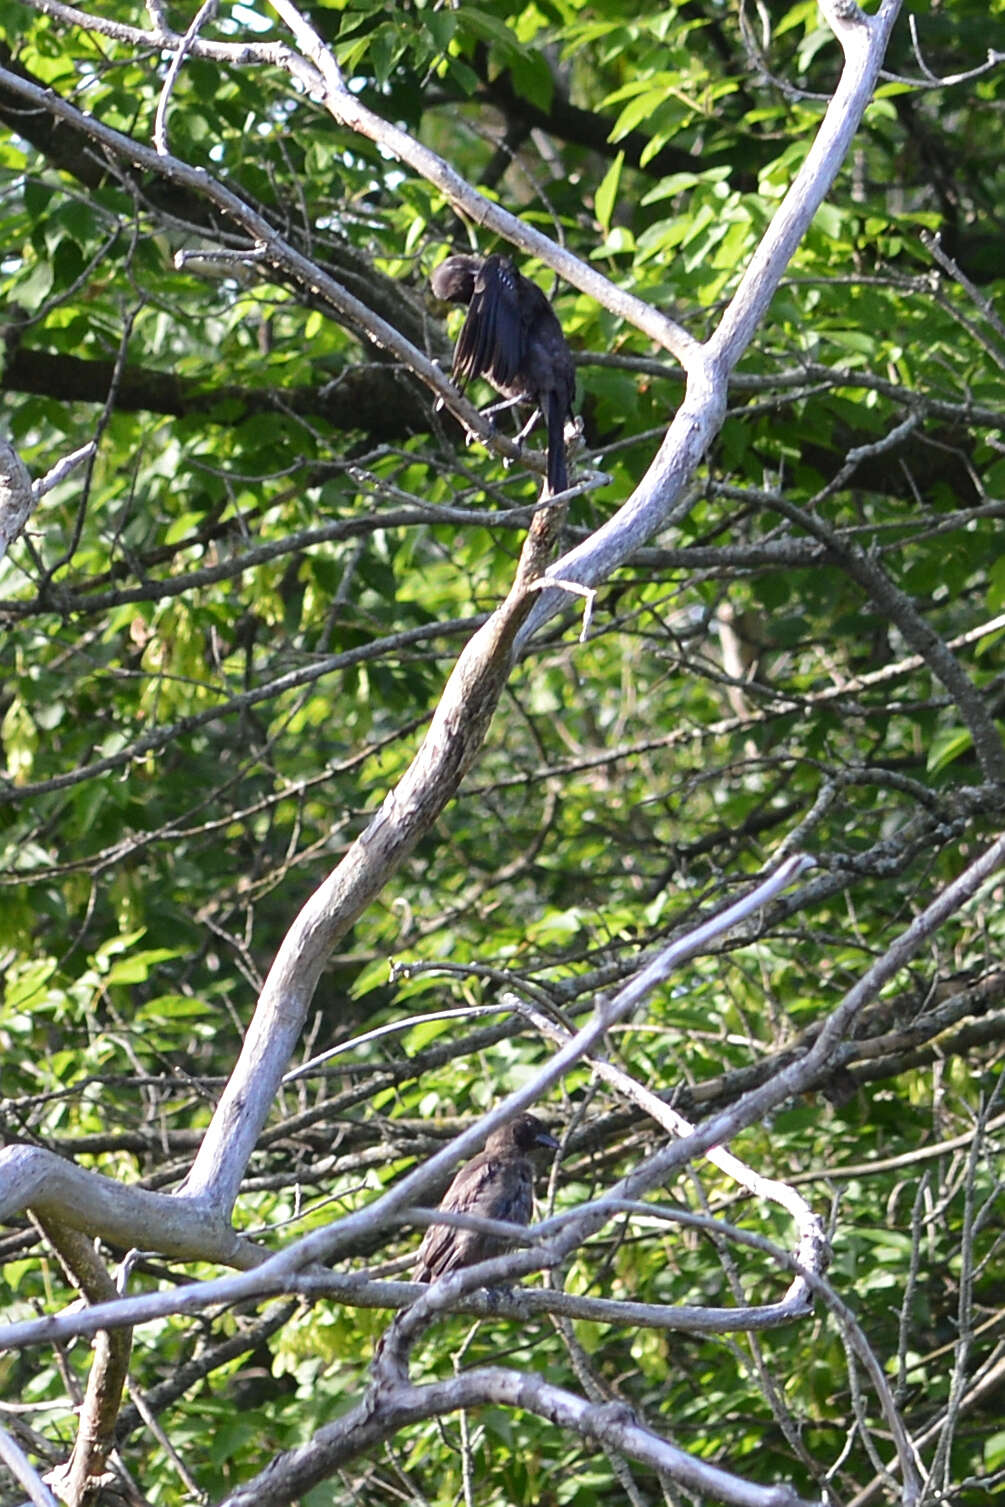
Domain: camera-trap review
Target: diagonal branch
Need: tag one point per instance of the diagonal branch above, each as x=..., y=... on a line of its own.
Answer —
x=900, y=610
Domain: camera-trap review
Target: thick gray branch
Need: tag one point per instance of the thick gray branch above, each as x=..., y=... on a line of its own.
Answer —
x=33, y=1178
x=16, y=500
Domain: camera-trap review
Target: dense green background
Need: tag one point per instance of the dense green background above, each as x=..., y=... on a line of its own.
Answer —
x=221, y=639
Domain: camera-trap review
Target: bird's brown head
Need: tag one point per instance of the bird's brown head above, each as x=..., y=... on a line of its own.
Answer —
x=523, y=1135
x=453, y=281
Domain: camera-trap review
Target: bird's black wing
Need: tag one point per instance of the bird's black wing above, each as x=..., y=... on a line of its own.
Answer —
x=512, y=337
x=491, y=341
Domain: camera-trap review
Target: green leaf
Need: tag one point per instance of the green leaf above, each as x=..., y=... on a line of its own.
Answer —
x=946, y=747
x=607, y=193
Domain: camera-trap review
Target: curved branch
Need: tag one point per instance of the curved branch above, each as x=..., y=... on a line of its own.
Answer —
x=813, y=1248
x=33, y=1178
x=612, y=1424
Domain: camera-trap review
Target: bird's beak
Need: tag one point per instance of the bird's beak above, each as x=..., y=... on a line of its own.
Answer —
x=545, y=1138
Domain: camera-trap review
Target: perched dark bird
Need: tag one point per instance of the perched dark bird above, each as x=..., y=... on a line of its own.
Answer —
x=512, y=338
x=496, y=1184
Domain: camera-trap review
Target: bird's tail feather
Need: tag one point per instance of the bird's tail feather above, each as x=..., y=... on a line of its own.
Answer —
x=558, y=477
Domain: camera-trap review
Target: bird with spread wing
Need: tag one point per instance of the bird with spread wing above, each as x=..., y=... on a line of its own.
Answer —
x=512, y=337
